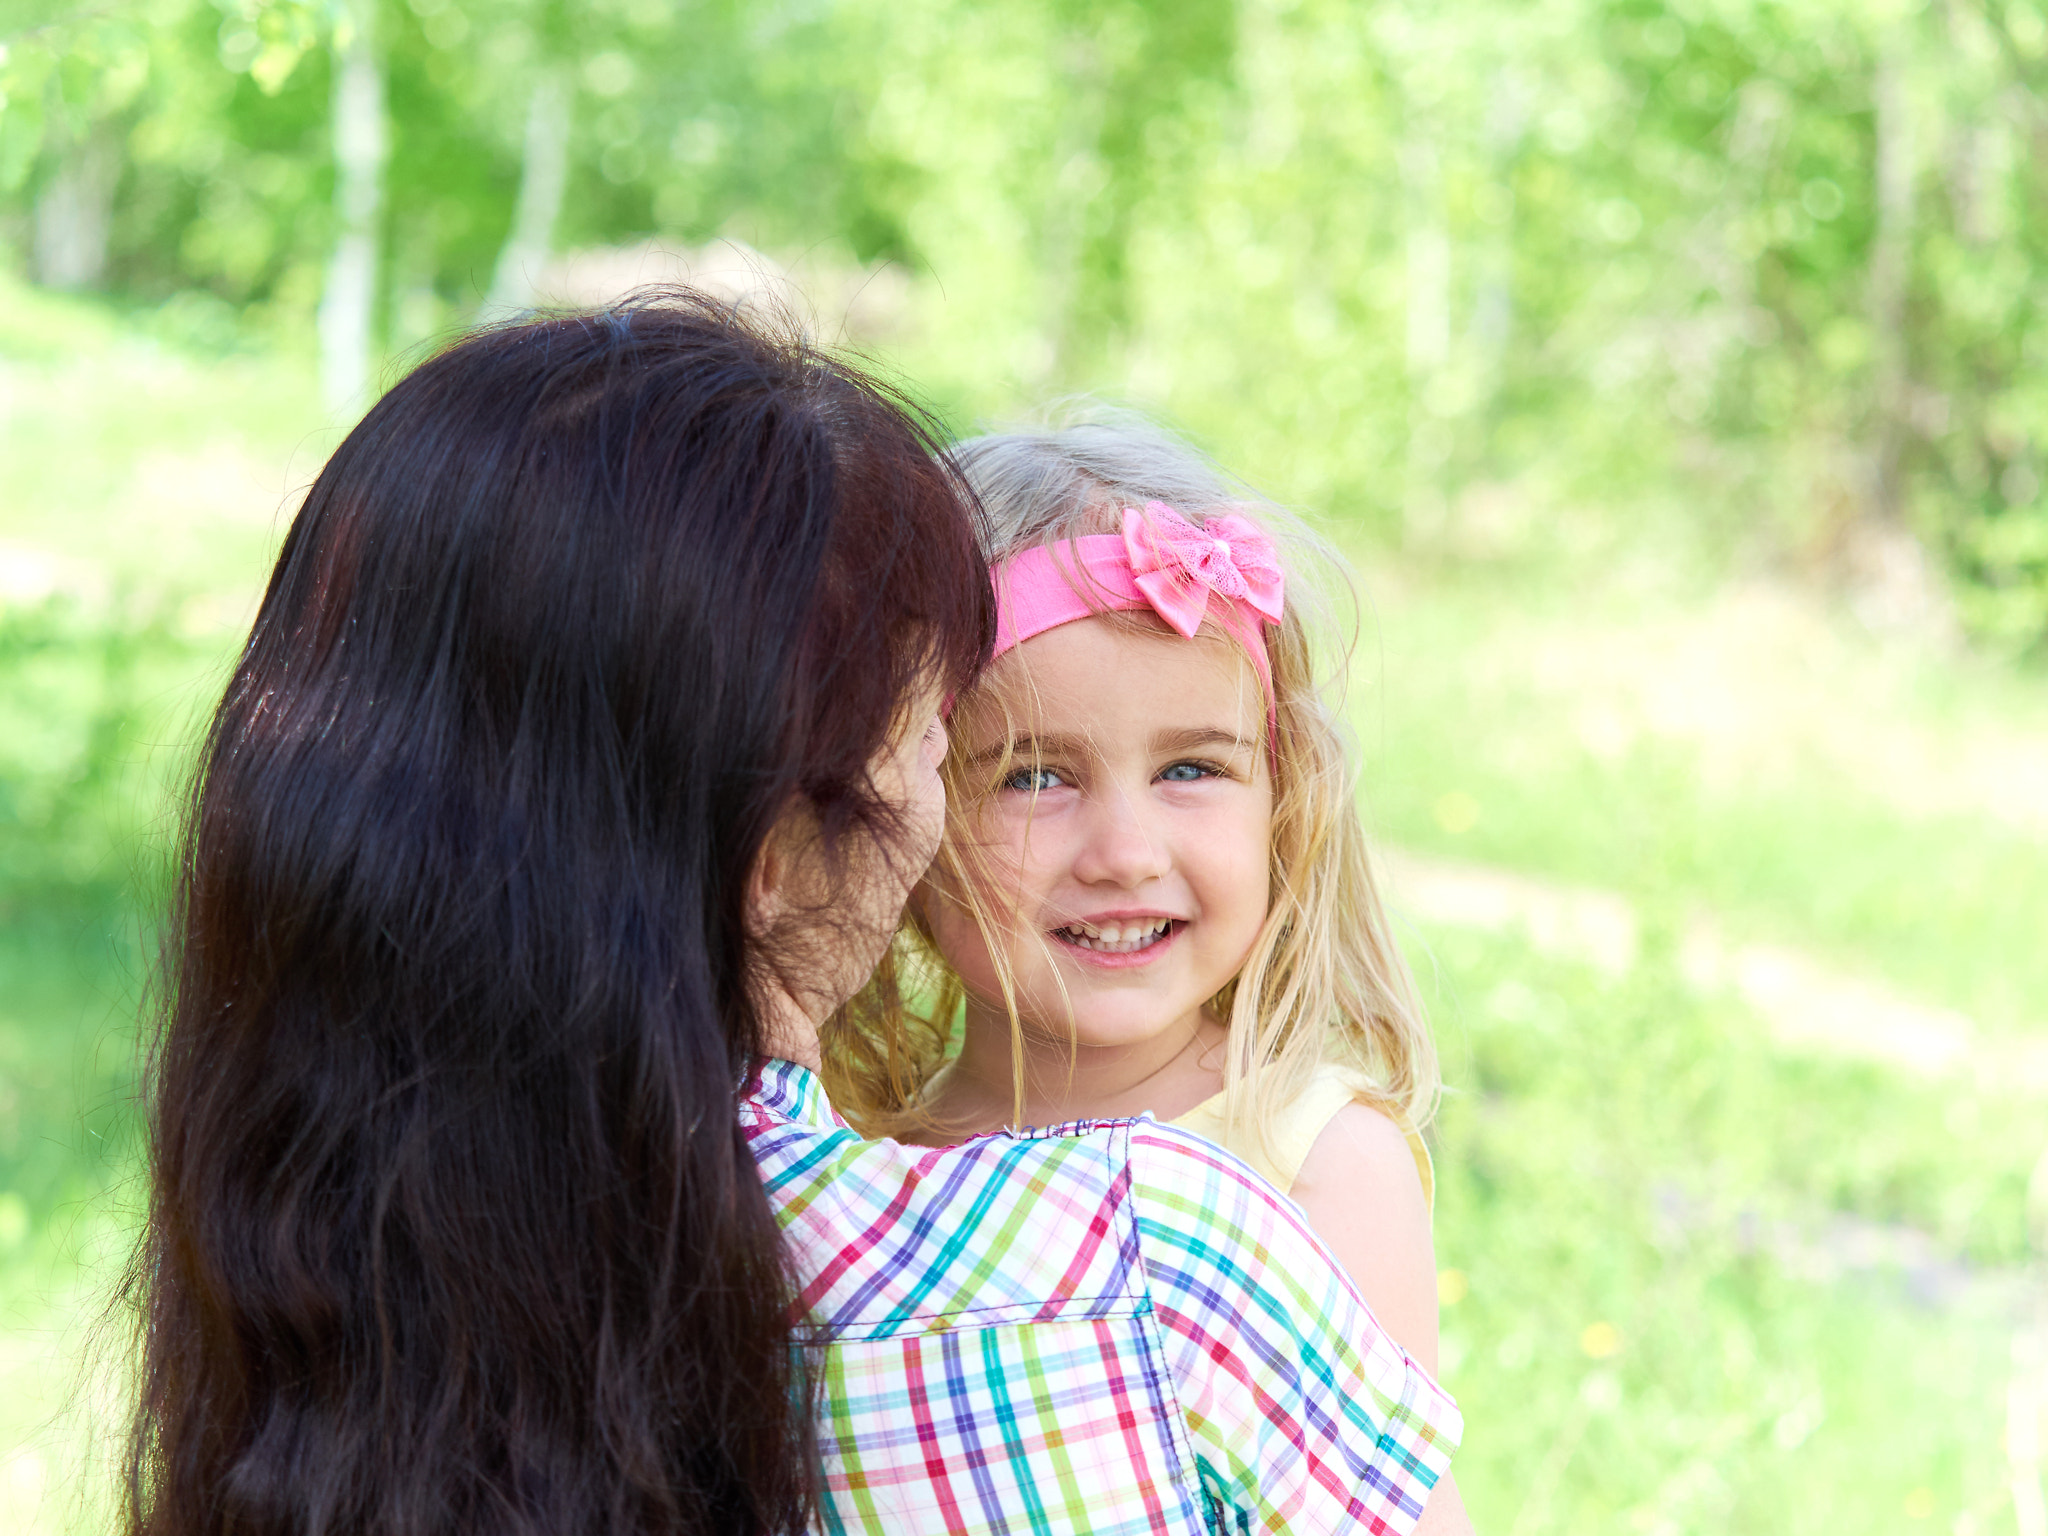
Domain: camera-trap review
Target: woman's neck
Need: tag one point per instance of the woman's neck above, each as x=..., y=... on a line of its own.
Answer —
x=788, y=1032
x=1167, y=1074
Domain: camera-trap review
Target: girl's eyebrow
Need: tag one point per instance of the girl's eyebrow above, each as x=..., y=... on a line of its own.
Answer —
x=1191, y=737
x=1186, y=739
x=1026, y=745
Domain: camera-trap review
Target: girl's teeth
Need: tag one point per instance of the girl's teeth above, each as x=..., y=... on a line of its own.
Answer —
x=1117, y=938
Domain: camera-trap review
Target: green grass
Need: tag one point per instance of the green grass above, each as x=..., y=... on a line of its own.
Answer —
x=69, y=1194
x=1620, y=1155
x=1622, y=1152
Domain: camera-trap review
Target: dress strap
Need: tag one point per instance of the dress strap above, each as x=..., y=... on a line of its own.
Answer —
x=1300, y=1123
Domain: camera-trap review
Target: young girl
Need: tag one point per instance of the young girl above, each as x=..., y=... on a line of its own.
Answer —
x=1154, y=893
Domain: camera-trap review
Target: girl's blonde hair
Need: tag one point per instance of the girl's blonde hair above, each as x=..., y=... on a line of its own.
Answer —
x=1325, y=980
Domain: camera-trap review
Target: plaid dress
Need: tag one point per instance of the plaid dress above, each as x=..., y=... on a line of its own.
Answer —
x=1109, y=1328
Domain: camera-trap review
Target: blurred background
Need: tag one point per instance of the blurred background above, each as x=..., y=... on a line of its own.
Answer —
x=1673, y=370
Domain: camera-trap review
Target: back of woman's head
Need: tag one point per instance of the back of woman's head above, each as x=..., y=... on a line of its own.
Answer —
x=453, y=1228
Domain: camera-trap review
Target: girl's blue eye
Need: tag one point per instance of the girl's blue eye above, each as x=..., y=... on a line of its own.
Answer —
x=1032, y=780
x=1187, y=773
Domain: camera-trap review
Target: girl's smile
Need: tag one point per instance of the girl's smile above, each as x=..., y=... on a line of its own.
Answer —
x=1120, y=938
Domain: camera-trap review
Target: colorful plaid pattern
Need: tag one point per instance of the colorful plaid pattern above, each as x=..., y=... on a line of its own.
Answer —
x=1108, y=1328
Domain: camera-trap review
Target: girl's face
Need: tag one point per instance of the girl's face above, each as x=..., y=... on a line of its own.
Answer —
x=1125, y=854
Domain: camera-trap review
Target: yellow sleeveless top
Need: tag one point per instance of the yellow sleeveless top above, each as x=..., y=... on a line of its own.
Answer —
x=1300, y=1123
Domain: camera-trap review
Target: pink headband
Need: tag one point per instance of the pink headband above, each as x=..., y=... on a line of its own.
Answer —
x=1224, y=570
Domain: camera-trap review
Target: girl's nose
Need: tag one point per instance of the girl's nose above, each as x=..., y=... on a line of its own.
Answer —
x=1120, y=847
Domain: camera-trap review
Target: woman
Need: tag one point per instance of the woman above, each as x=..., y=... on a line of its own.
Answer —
x=454, y=1229
x=575, y=773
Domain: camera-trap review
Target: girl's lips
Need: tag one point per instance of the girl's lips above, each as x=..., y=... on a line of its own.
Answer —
x=1111, y=960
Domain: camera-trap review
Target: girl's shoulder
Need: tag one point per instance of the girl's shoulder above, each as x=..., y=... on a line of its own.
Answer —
x=1298, y=1125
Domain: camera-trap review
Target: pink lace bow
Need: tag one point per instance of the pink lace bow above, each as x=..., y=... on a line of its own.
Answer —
x=1177, y=564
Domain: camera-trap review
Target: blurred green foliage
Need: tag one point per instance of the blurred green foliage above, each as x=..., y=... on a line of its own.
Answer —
x=68, y=712
x=1770, y=268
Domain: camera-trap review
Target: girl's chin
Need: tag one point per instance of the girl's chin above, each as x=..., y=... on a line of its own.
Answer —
x=1112, y=1037
x=1109, y=1023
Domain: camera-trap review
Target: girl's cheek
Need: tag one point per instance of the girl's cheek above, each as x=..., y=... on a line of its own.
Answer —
x=999, y=892
x=1012, y=848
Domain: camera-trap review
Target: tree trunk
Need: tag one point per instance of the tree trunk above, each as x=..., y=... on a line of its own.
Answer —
x=74, y=210
x=1079, y=177
x=1428, y=330
x=1493, y=304
x=1891, y=259
x=348, y=303
x=543, y=177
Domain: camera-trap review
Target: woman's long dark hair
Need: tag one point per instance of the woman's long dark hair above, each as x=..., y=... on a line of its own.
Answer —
x=453, y=1232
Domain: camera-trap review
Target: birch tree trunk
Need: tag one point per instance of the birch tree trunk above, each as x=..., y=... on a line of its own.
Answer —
x=348, y=302
x=1428, y=329
x=74, y=210
x=1891, y=258
x=1493, y=304
x=543, y=177
x=1079, y=177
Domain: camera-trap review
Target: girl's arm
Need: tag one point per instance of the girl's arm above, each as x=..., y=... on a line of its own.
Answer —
x=1360, y=1191
x=1444, y=1514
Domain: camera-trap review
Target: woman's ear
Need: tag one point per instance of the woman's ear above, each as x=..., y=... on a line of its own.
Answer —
x=771, y=883
x=786, y=880
x=773, y=895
